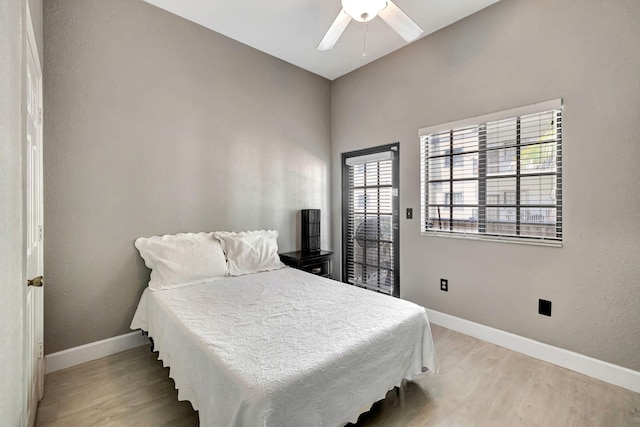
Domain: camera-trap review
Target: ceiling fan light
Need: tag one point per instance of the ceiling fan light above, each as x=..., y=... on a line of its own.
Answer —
x=363, y=10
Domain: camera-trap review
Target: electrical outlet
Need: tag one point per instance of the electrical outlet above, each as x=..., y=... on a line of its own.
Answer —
x=409, y=213
x=444, y=285
x=544, y=307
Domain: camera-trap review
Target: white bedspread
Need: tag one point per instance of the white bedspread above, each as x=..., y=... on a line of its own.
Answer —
x=284, y=348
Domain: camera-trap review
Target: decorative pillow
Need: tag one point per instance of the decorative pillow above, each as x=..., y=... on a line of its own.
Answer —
x=182, y=259
x=250, y=252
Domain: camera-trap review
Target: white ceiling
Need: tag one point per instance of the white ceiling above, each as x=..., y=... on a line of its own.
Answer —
x=291, y=29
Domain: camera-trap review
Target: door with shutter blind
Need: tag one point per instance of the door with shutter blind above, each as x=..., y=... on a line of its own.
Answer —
x=370, y=219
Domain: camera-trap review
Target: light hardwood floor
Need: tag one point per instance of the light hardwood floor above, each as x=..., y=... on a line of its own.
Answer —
x=479, y=384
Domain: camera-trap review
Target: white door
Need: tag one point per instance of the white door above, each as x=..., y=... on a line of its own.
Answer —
x=34, y=301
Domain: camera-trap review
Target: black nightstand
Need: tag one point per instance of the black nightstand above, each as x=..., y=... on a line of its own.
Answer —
x=318, y=263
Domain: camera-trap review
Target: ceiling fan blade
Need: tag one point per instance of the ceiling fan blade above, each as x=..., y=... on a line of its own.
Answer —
x=335, y=31
x=400, y=22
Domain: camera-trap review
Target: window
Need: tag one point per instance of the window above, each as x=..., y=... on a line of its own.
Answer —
x=506, y=179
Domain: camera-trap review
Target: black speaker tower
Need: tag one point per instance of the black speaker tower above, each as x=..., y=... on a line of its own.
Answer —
x=310, y=230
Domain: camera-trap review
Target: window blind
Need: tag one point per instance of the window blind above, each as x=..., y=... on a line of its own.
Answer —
x=497, y=176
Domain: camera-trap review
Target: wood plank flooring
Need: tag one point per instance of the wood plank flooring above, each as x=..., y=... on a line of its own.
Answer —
x=479, y=384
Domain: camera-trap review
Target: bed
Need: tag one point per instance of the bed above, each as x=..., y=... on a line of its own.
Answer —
x=282, y=347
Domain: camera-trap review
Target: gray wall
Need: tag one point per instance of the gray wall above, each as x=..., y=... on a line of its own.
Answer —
x=155, y=125
x=511, y=54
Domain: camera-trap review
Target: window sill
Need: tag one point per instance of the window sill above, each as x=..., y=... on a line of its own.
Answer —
x=485, y=238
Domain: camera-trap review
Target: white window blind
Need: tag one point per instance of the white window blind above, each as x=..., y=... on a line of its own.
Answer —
x=369, y=158
x=497, y=176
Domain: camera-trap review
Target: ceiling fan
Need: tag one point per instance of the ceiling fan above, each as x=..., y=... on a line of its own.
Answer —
x=365, y=11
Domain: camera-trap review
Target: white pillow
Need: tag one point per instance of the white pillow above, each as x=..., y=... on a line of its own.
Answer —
x=250, y=252
x=182, y=259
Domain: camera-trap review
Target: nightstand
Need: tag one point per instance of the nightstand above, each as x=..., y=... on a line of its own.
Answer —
x=318, y=262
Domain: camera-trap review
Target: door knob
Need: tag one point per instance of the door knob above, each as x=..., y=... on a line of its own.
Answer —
x=36, y=281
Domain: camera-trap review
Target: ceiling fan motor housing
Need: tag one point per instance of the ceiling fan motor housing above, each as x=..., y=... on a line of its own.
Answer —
x=363, y=10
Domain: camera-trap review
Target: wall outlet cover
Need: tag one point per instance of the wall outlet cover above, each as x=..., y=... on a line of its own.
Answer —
x=544, y=307
x=444, y=285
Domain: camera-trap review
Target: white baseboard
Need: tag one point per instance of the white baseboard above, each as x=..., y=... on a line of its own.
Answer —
x=598, y=369
x=92, y=351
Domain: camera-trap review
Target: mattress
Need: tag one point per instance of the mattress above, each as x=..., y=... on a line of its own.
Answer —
x=284, y=347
